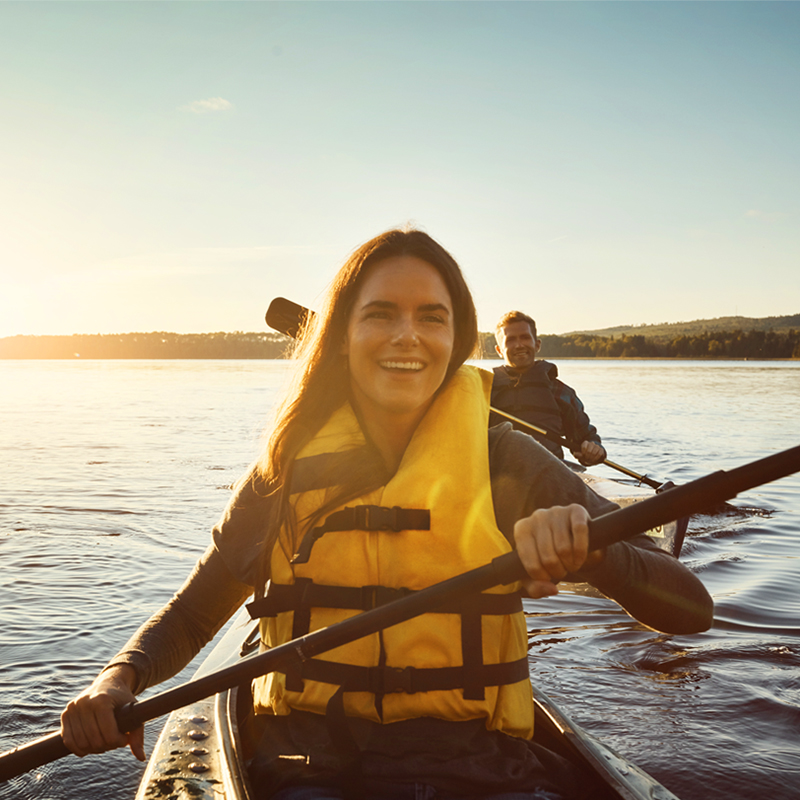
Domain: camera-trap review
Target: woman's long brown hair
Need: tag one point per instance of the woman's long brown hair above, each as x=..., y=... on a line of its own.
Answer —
x=321, y=383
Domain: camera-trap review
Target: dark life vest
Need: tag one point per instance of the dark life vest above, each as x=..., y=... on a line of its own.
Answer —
x=529, y=396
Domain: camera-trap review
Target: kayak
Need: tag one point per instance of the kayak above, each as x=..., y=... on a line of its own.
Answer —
x=668, y=537
x=199, y=752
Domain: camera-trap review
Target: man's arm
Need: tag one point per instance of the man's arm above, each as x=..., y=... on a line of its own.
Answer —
x=584, y=440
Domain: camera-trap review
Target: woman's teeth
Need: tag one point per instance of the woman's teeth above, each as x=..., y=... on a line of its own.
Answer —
x=409, y=365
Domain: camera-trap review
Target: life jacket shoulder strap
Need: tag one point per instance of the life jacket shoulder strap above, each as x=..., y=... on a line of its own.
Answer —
x=324, y=470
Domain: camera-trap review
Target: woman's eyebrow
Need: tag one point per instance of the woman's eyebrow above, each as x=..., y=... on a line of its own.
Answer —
x=434, y=307
x=380, y=304
x=388, y=304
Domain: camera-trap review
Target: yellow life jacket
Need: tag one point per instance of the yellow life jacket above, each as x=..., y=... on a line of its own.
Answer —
x=464, y=662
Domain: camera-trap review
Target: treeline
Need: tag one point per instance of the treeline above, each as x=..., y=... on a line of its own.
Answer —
x=751, y=344
x=665, y=331
x=716, y=344
x=147, y=345
x=709, y=344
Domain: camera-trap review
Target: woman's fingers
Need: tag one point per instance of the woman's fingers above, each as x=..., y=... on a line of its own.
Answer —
x=552, y=543
x=88, y=723
x=540, y=583
x=136, y=743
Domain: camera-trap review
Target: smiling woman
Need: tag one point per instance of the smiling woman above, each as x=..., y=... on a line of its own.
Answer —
x=332, y=366
x=379, y=480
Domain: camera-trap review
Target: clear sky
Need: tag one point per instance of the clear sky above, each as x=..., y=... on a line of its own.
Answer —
x=175, y=166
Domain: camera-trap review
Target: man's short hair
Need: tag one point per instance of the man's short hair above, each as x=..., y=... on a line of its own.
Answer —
x=514, y=316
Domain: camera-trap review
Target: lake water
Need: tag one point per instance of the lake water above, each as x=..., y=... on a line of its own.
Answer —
x=114, y=472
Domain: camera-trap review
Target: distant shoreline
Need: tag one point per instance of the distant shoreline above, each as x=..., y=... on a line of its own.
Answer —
x=737, y=345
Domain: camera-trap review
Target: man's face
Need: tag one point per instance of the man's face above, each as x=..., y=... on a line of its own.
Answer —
x=517, y=345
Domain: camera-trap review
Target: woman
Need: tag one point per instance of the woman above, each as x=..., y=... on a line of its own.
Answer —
x=379, y=478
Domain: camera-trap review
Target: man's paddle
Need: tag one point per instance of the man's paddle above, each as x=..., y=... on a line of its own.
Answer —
x=603, y=531
x=287, y=317
x=554, y=437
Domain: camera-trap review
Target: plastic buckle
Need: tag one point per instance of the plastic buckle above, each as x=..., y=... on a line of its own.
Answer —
x=378, y=518
x=397, y=679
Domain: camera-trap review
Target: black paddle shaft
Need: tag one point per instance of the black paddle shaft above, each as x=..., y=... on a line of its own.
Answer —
x=613, y=527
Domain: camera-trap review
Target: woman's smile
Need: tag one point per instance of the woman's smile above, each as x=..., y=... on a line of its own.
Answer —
x=403, y=365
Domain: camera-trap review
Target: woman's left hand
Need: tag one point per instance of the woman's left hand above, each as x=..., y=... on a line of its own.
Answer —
x=551, y=543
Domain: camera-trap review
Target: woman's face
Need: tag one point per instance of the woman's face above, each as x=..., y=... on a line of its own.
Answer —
x=400, y=339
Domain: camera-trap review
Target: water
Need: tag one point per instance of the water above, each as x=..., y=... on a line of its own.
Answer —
x=114, y=472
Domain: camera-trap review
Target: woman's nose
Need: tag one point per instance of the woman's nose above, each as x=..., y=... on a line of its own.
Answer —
x=405, y=332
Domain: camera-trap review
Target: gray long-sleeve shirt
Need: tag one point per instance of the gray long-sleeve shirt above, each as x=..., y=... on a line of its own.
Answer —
x=649, y=583
x=455, y=757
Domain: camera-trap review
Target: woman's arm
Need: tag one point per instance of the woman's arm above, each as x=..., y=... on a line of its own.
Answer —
x=651, y=585
x=176, y=633
x=165, y=644
x=172, y=637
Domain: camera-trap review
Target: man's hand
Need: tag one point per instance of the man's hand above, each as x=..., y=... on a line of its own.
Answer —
x=552, y=542
x=590, y=453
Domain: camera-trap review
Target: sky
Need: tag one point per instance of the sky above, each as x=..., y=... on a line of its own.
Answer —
x=175, y=166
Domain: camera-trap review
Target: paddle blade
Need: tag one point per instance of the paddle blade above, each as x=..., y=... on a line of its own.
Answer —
x=286, y=317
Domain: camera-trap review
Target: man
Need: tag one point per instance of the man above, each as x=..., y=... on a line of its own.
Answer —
x=530, y=389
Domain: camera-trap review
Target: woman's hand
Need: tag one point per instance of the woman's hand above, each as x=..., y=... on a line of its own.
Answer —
x=88, y=724
x=552, y=542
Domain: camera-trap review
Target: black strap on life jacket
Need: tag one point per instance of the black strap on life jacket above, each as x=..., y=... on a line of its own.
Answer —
x=390, y=680
x=326, y=469
x=303, y=595
x=365, y=518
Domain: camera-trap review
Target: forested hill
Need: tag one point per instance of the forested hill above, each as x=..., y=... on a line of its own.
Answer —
x=742, y=342
x=752, y=344
x=147, y=345
x=666, y=331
